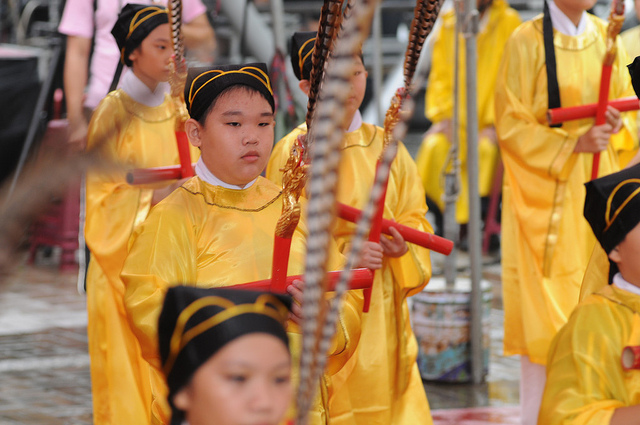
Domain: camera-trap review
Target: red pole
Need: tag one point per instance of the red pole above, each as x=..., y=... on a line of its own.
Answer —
x=423, y=239
x=186, y=169
x=603, y=102
x=362, y=278
x=560, y=115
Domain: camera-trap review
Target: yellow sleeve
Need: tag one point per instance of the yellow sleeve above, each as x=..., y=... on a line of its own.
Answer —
x=439, y=96
x=625, y=142
x=413, y=270
x=541, y=149
x=113, y=207
x=585, y=382
x=163, y=253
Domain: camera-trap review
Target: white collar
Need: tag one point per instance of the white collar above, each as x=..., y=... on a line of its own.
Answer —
x=356, y=122
x=205, y=174
x=562, y=23
x=139, y=91
x=619, y=282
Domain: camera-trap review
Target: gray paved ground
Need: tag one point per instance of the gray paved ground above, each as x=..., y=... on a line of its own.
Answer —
x=44, y=366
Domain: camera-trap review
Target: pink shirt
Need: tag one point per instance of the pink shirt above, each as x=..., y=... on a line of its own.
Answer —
x=77, y=20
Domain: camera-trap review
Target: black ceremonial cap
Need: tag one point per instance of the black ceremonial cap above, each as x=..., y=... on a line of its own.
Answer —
x=204, y=84
x=197, y=322
x=134, y=24
x=634, y=70
x=301, y=50
x=612, y=206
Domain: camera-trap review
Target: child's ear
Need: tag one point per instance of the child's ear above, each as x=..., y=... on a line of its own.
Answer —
x=305, y=85
x=614, y=255
x=133, y=56
x=182, y=400
x=194, y=132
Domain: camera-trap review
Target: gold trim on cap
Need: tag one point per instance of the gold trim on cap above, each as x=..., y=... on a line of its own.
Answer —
x=265, y=80
x=265, y=304
x=607, y=215
x=134, y=23
x=301, y=59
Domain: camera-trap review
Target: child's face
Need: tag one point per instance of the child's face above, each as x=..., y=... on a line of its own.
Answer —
x=237, y=136
x=627, y=254
x=151, y=59
x=358, y=87
x=248, y=382
x=574, y=6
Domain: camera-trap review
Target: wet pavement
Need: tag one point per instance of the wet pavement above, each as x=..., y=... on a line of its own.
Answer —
x=44, y=365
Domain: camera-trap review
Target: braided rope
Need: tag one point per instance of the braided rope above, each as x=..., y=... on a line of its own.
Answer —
x=424, y=18
x=395, y=129
x=327, y=133
x=175, y=19
x=330, y=16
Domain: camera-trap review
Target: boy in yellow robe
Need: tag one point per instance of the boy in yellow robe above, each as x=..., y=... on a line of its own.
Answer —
x=546, y=243
x=586, y=382
x=133, y=125
x=381, y=383
x=218, y=228
x=497, y=22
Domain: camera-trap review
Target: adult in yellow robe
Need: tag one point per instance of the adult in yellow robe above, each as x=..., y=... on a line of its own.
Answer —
x=496, y=25
x=546, y=242
x=380, y=384
x=135, y=135
x=586, y=382
x=211, y=236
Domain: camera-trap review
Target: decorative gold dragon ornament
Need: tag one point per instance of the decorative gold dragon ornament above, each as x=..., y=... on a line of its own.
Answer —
x=294, y=178
x=616, y=19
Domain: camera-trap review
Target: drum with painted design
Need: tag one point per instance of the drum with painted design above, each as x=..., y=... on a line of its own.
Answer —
x=441, y=321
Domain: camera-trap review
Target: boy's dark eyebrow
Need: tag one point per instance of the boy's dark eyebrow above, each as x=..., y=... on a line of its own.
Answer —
x=235, y=113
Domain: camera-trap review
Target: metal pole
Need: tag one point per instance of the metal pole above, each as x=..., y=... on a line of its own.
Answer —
x=470, y=32
x=277, y=21
x=377, y=63
x=451, y=230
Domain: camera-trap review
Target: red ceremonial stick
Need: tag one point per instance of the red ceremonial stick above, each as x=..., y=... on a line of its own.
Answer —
x=280, y=263
x=186, y=169
x=603, y=102
x=376, y=229
x=616, y=18
x=560, y=115
x=155, y=175
x=423, y=239
x=361, y=278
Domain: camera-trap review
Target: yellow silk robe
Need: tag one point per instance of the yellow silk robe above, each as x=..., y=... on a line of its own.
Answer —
x=380, y=384
x=136, y=136
x=546, y=242
x=433, y=156
x=585, y=379
x=210, y=236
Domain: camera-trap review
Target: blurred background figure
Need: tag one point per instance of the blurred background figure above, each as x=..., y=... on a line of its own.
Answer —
x=497, y=22
x=92, y=54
